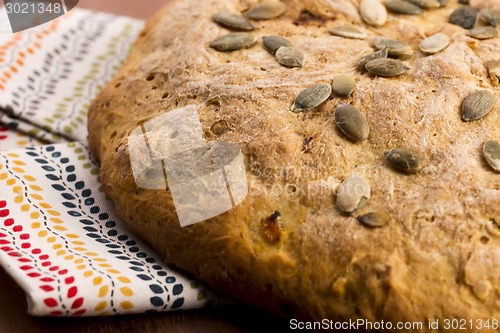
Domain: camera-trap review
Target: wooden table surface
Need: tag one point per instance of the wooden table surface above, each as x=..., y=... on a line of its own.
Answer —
x=235, y=318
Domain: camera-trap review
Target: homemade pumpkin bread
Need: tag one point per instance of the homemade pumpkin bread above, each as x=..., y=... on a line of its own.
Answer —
x=419, y=241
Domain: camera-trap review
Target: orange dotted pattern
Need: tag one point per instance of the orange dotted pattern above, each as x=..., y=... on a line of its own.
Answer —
x=22, y=55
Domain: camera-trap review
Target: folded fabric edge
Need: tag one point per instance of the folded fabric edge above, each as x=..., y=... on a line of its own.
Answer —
x=45, y=135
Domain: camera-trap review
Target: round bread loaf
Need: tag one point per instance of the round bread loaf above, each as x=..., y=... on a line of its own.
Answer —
x=430, y=248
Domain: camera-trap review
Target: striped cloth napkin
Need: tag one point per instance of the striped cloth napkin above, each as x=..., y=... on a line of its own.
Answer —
x=59, y=236
x=49, y=76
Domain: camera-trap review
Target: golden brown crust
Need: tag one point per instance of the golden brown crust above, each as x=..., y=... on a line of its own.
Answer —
x=438, y=258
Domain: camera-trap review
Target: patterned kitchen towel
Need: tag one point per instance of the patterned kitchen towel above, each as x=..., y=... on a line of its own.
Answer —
x=43, y=136
x=61, y=241
x=49, y=76
x=10, y=139
x=59, y=236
